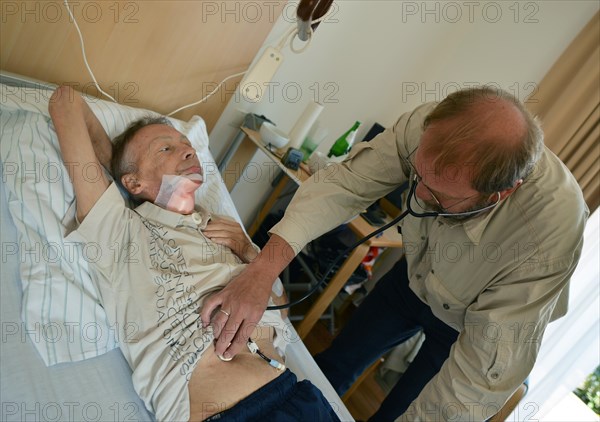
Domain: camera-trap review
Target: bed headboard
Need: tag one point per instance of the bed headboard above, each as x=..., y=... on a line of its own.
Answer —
x=158, y=55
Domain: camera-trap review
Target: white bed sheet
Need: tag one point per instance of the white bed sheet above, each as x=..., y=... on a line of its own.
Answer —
x=96, y=389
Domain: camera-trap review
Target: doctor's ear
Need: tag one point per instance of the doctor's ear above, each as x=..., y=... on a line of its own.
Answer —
x=131, y=183
x=507, y=192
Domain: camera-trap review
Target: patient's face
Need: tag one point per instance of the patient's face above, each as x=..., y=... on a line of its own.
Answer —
x=158, y=150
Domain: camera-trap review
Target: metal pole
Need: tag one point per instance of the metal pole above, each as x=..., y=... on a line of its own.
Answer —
x=239, y=137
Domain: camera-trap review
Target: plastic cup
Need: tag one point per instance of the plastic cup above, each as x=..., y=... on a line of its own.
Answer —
x=312, y=141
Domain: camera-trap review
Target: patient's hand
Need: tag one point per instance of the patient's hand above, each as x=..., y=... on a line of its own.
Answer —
x=229, y=233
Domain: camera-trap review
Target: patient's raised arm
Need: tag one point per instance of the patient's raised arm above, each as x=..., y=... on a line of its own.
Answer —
x=100, y=140
x=71, y=117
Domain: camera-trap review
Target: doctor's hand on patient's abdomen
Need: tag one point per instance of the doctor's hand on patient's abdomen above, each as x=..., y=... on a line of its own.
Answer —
x=243, y=301
x=239, y=307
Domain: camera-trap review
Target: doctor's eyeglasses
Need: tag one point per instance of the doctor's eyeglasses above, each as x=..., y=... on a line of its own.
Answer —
x=437, y=209
x=426, y=211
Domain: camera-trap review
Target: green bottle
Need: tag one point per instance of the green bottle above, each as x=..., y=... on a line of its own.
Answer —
x=344, y=142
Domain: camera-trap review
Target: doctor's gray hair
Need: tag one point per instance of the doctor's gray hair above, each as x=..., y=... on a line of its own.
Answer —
x=496, y=164
x=121, y=162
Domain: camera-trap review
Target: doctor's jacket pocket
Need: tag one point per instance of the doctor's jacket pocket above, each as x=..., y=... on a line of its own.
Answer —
x=443, y=303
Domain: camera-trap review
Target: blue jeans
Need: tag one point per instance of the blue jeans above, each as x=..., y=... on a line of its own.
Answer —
x=282, y=400
x=389, y=315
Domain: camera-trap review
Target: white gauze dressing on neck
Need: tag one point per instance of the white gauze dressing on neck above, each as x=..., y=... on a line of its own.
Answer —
x=176, y=193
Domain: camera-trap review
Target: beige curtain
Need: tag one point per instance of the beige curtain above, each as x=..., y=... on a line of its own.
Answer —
x=567, y=101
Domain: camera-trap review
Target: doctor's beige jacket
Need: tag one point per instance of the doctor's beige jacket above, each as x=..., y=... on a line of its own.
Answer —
x=498, y=278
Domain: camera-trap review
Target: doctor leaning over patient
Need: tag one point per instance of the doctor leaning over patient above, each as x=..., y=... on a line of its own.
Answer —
x=494, y=235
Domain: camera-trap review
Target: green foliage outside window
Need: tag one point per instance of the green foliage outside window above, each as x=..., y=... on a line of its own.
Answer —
x=589, y=392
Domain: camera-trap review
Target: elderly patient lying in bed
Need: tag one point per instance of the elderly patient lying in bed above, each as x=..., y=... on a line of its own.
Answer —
x=156, y=266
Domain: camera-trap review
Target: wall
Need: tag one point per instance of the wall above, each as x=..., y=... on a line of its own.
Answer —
x=159, y=55
x=373, y=60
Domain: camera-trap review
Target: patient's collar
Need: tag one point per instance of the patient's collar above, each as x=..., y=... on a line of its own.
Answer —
x=177, y=193
x=154, y=214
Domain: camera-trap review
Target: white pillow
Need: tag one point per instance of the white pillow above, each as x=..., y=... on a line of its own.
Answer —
x=60, y=307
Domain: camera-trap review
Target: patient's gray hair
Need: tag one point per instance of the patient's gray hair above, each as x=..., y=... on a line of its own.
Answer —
x=122, y=162
x=497, y=163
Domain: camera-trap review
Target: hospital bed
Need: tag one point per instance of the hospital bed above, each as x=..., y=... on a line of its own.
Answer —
x=59, y=358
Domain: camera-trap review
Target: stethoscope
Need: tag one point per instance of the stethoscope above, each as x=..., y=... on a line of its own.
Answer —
x=409, y=210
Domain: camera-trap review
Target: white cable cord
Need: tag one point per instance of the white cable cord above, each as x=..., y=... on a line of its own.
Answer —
x=84, y=55
x=306, y=45
x=209, y=95
x=289, y=34
x=293, y=31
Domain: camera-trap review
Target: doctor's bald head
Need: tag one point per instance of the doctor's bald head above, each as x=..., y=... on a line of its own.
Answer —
x=488, y=131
